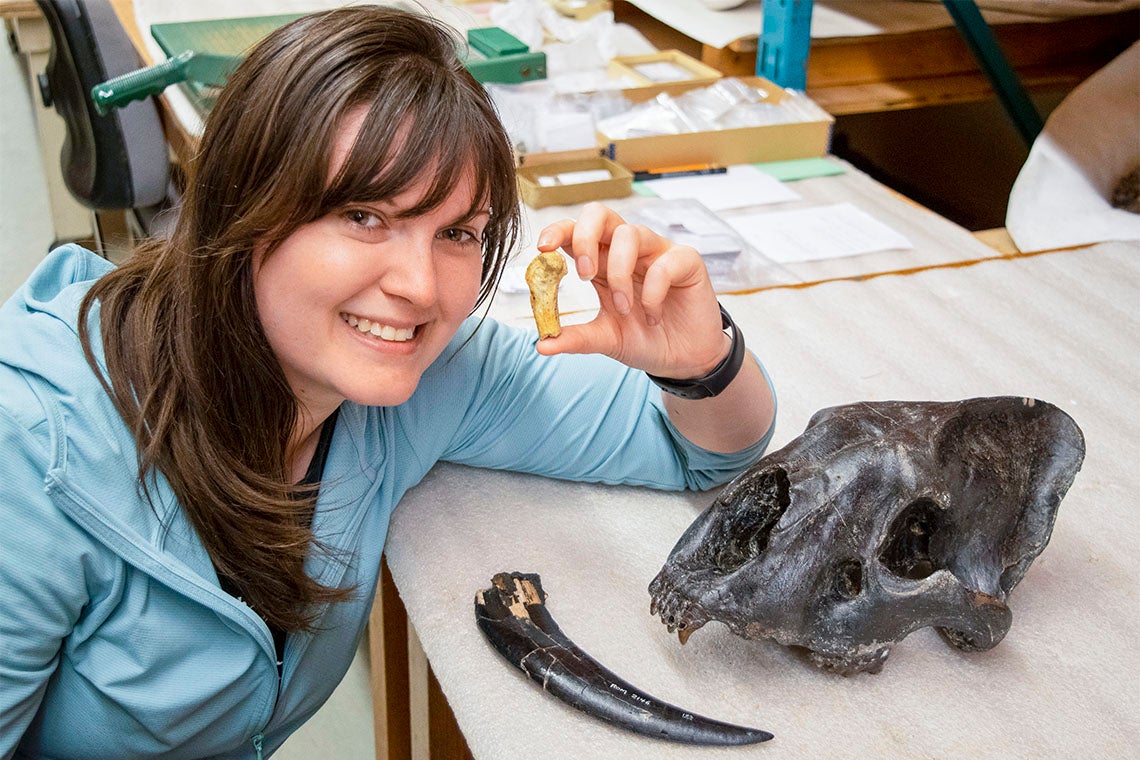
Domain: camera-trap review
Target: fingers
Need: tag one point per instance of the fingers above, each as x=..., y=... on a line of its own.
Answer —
x=585, y=239
x=621, y=260
x=632, y=267
x=678, y=267
x=643, y=269
x=594, y=337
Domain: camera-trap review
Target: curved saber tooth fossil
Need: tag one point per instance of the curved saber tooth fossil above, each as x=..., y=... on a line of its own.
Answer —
x=512, y=615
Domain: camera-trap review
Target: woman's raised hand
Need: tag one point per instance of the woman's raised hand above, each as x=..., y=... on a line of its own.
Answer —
x=658, y=309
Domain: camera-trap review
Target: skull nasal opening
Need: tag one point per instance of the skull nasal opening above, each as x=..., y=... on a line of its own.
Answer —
x=907, y=550
x=756, y=508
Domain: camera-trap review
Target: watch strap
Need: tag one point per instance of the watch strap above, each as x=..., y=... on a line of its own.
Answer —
x=721, y=376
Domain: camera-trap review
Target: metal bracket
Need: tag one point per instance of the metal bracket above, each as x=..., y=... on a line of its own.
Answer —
x=993, y=62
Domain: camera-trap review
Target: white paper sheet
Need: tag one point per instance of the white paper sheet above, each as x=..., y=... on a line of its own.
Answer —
x=933, y=241
x=818, y=232
x=739, y=187
x=1060, y=197
x=581, y=177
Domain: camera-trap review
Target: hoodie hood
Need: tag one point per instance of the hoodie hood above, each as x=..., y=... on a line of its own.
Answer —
x=43, y=310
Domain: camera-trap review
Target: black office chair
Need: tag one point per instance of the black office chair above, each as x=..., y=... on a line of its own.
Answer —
x=117, y=162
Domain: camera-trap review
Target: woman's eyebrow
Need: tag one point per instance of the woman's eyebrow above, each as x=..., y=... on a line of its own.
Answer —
x=474, y=215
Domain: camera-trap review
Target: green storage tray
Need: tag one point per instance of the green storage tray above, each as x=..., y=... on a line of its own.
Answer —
x=228, y=36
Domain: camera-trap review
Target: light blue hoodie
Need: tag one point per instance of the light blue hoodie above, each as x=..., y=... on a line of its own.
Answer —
x=115, y=638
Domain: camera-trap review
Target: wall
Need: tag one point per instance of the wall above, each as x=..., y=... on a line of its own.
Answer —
x=959, y=160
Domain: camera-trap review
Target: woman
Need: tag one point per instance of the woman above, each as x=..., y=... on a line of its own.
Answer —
x=205, y=444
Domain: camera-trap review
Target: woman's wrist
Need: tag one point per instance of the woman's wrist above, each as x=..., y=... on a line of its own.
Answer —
x=721, y=376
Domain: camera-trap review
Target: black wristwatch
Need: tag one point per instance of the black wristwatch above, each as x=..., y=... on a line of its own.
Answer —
x=716, y=381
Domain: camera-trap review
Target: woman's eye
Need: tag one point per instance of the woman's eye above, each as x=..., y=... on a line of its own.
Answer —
x=457, y=235
x=364, y=218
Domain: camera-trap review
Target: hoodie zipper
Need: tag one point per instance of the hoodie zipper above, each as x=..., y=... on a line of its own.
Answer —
x=260, y=736
x=76, y=503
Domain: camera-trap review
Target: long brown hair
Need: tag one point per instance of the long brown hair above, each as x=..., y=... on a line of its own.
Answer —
x=188, y=365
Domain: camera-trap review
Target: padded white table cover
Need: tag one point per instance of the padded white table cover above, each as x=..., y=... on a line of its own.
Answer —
x=1063, y=327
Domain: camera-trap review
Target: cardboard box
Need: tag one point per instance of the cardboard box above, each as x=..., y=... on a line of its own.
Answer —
x=663, y=67
x=536, y=194
x=724, y=147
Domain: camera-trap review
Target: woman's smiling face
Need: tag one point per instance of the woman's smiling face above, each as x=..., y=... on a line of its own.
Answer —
x=357, y=304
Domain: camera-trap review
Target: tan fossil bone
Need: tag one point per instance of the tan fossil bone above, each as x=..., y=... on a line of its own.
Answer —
x=542, y=277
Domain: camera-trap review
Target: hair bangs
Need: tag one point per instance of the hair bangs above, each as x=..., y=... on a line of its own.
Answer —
x=447, y=130
x=414, y=128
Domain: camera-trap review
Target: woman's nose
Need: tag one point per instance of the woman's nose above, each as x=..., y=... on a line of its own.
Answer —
x=413, y=275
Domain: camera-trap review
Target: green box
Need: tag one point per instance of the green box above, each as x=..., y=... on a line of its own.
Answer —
x=508, y=69
x=494, y=42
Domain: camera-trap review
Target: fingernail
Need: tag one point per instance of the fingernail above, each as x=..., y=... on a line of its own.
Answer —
x=621, y=302
x=586, y=268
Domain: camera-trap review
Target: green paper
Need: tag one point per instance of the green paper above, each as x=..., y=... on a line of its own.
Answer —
x=801, y=168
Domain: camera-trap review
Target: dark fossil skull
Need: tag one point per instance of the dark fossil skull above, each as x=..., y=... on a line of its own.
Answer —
x=880, y=519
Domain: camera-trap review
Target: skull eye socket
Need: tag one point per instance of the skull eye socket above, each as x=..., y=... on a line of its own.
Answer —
x=756, y=508
x=907, y=549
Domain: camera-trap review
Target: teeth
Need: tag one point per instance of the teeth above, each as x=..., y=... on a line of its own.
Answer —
x=384, y=332
x=678, y=613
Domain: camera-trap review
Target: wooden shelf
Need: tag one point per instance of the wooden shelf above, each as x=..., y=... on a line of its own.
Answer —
x=18, y=8
x=890, y=72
